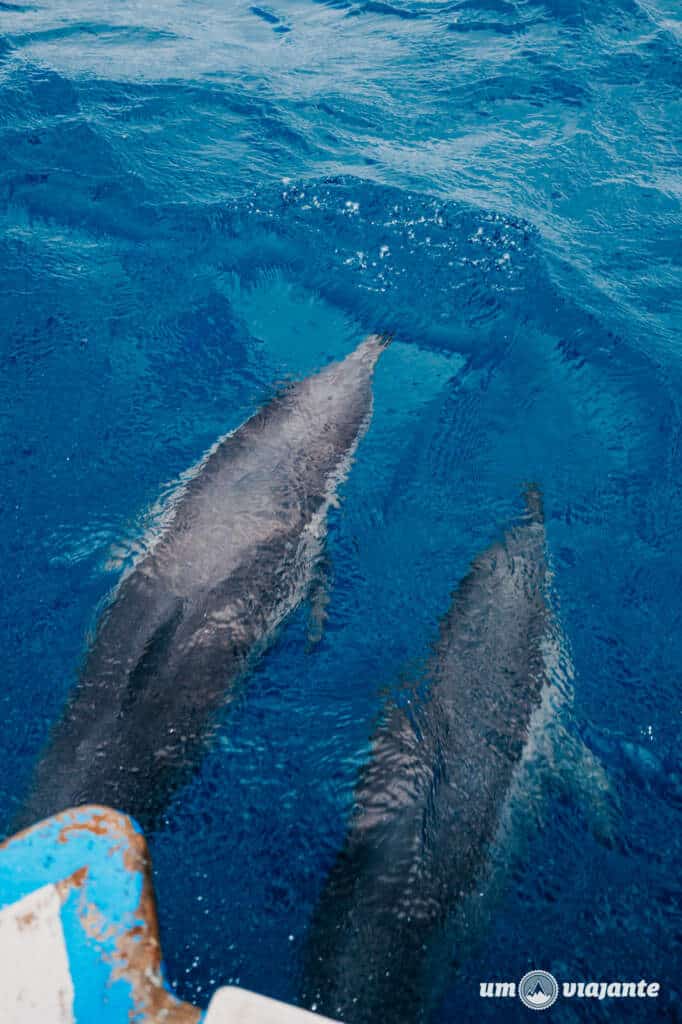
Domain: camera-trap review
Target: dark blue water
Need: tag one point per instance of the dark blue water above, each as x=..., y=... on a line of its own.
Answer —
x=199, y=200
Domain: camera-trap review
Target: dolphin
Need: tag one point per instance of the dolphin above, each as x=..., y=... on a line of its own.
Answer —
x=235, y=557
x=432, y=799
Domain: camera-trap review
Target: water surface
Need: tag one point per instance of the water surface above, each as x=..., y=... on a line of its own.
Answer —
x=199, y=201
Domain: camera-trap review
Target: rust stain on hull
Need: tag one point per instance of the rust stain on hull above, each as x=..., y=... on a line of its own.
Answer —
x=131, y=946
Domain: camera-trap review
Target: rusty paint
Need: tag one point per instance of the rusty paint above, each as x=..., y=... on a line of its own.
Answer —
x=133, y=953
x=94, y=922
x=99, y=822
x=117, y=942
x=138, y=950
x=25, y=920
x=74, y=881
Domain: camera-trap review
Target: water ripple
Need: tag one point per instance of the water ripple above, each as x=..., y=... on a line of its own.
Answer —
x=201, y=201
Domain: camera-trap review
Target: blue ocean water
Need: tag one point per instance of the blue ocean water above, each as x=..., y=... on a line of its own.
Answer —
x=199, y=200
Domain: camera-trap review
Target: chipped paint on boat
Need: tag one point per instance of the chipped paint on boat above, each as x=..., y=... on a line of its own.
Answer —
x=79, y=936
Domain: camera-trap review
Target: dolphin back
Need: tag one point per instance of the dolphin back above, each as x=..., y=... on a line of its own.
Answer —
x=185, y=624
x=430, y=800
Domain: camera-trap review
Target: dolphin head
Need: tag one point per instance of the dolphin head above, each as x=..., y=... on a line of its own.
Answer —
x=370, y=349
x=334, y=405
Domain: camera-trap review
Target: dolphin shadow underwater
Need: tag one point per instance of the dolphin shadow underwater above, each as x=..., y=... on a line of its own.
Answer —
x=435, y=808
x=236, y=557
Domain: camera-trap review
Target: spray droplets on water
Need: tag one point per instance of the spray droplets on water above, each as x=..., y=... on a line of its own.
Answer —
x=406, y=262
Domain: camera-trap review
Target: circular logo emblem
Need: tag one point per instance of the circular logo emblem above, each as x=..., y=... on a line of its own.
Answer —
x=538, y=990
